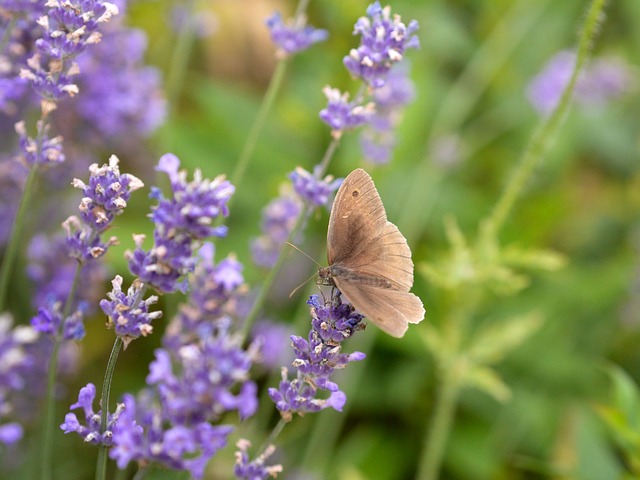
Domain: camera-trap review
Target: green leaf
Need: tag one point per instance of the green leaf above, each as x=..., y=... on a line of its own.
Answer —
x=492, y=343
x=487, y=380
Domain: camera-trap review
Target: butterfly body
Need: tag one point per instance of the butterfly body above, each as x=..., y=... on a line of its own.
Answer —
x=369, y=259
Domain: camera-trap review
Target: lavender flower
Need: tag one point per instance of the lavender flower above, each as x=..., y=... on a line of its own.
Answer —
x=214, y=292
x=598, y=82
x=68, y=27
x=179, y=222
x=91, y=432
x=140, y=435
x=128, y=314
x=378, y=137
x=278, y=219
x=294, y=36
x=106, y=195
x=316, y=359
x=47, y=151
x=53, y=322
x=311, y=188
x=341, y=115
x=383, y=42
x=170, y=422
x=245, y=469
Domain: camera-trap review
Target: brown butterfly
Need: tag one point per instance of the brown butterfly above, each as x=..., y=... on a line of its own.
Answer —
x=369, y=259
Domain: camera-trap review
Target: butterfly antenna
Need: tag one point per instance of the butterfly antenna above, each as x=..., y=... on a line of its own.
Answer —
x=306, y=255
x=301, y=285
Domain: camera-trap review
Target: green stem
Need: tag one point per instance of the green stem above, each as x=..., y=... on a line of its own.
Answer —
x=542, y=139
x=273, y=272
x=442, y=420
x=271, y=276
x=258, y=124
x=50, y=413
x=16, y=239
x=49, y=425
x=101, y=466
x=180, y=56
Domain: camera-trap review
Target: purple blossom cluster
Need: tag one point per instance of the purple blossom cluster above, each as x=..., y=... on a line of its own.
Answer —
x=190, y=388
x=107, y=193
x=45, y=151
x=383, y=42
x=293, y=36
x=105, y=197
x=67, y=28
x=247, y=469
x=214, y=291
x=311, y=188
x=341, y=114
x=51, y=320
x=317, y=357
x=91, y=431
x=278, y=219
x=180, y=221
x=128, y=313
x=600, y=81
x=378, y=137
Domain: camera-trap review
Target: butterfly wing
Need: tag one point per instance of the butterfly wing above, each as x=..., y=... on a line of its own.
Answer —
x=391, y=310
x=360, y=239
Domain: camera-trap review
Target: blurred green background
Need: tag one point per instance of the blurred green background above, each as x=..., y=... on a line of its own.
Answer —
x=562, y=409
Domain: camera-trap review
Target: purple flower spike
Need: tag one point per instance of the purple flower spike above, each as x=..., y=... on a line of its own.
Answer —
x=341, y=115
x=194, y=205
x=180, y=222
x=106, y=195
x=383, y=41
x=90, y=432
x=294, y=36
x=48, y=152
x=128, y=314
x=246, y=469
x=50, y=321
x=311, y=188
x=317, y=357
x=68, y=27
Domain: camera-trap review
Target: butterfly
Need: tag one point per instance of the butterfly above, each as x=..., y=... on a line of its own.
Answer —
x=369, y=259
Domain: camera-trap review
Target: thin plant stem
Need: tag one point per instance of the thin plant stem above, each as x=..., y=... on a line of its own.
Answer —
x=15, y=239
x=50, y=412
x=258, y=124
x=275, y=84
x=542, y=139
x=101, y=466
x=439, y=430
x=180, y=56
x=273, y=272
x=449, y=378
x=271, y=276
